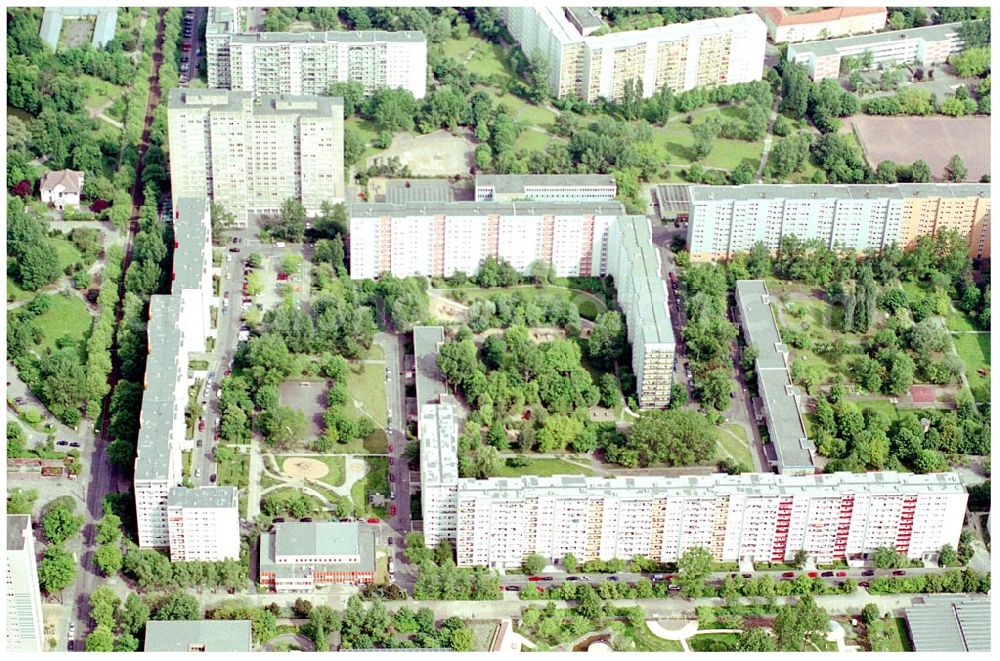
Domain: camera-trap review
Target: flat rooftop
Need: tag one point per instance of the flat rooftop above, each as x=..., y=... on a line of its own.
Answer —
x=304, y=105
x=835, y=191
x=319, y=538
x=792, y=446
x=486, y=209
x=363, y=543
x=203, y=497
x=427, y=191
x=711, y=486
x=193, y=236
x=357, y=37
x=517, y=183
x=834, y=46
x=437, y=430
x=647, y=281
x=17, y=526
x=948, y=623
x=198, y=636
x=430, y=383
x=673, y=197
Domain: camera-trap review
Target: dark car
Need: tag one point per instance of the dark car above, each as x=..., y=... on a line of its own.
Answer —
x=199, y=442
x=827, y=574
x=548, y=578
x=69, y=646
x=612, y=578
x=513, y=588
x=62, y=443
x=863, y=584
x=212, y=478
x=899, y=572
x=868, y=572
x=306, y=520
x=392, y=478
x=279, y=520
x=788, y=574
x=74, y=444
x=573, y=578
x=390, y=541
x=747, y=575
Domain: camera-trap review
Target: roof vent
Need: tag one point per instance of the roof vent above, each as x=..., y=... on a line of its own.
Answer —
x=815, y=195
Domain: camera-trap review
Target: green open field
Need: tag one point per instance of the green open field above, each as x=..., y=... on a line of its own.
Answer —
x=99, y=92
x=376, y=480
x=487, y=58
x=960, y=321
x=640, y=639
x=705, y=642
x=335, y=463
x=589, y=305
x=15, y=293
x=67, y=252
x=366, y=385
x=675, y=140
x=974, y=350
x=730, y=446
x=67, y=315
x=235, y=472
x=544, y=467
x=531, y=141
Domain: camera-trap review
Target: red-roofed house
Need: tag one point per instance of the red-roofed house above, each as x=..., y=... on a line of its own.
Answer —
x=62, y=188
x=783, y=26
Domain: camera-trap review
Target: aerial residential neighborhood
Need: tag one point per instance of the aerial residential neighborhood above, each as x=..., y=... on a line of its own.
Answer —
x=498, y=329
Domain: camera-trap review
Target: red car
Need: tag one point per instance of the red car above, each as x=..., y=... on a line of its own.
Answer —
x=216, y=434
x=842, y=573
x=788, y=574
x=372, y=520
x=813, y=574
x=390, y=461
x=390, y=447
x=534, y=579
x=863, y=584
x=201, y=425
x=392, y=510
x=392, y=478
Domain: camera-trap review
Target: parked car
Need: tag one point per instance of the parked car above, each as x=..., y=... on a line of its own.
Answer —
x=574, y=578
x=201, y=424
x=674, y=588
x=868, y=572
x=390, y=447
x=899, y=572
x=827, y=574
x=812, y=574
x=74, y=444
x=390, y=541
x=747, y=575
x=212, y=478
x=197, y=472
x=863, y=584
x=548, y=578
x=392, y=510
x=280, y=519
x=200, y=442
x=512, y=588
x=390, y=461
x=842, y=574
x=534, y=579
x=19, y=400
x=788, y=574
x=62, y=443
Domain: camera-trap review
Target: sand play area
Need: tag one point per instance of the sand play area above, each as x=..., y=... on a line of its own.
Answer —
x=303, y=467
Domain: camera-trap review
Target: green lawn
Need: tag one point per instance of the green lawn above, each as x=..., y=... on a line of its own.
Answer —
x=364, y=127
x=589, y=305
x=67, y=315
x=530, y=141
x=15, y=293
x=67, y=252
x=536, y=115
x=974, y=350
x=366, y=385
x=544, y=467
x=883, y=405
x=376, y=480
x=898, y=636
x=675, y=141
x=729, y=446
x=99, y=92
x=712, y=642
x=960, y=321
x=235, y=472
x=487, y=59
x=640, y=639
x=335, y=463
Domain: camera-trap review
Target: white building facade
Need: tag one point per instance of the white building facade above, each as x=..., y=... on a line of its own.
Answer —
x=442, y=239
x=309, y=63
x=546, y=188
x=203, y=524
x=681, y=56
x=251, y=156
x=25, y=631
x=437, y=429
x=750, y=517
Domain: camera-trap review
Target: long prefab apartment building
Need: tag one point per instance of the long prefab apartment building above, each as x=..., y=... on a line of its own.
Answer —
x=728, y=220
x=678, y=57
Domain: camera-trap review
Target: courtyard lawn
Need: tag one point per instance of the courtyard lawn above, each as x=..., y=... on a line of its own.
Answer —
x=631, y=638
x=99, y=92
x=708, y=642
x=364, y=127
x=960, y=321
x=544, y=467
x=974, y=350
x=15, y=293
x=235, y=472
x=730, y=446
x=883, y=405
x=536, y=115
x=335, y=463
x=480, y=57
x=67, y=252
x=376, y=480
x=530, y=140
x=898, y=638
x=675, y=140
x=67, y=315
x=589, y=305
x=366, y=385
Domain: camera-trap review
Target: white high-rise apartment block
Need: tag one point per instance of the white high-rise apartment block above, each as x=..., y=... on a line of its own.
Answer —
x=251, y=156
x=437, y=430
x=25, y=631
x=727, y=220
x=203, y=524
x=750, y=517
x=634, y=263
x=442, y=239
x=221, y=24
x=310, y=62
x=718, y=51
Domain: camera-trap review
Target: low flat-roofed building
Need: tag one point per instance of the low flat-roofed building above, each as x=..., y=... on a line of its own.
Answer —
x=950, y=623
x=673, y=201
x=926, y=46
x=302, y=556
x=105, y=22
x=198, y=636
x=403, y=191
x=785, y=427
x=546, y=187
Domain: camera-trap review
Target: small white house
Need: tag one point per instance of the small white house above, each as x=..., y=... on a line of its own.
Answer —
x=62, y=188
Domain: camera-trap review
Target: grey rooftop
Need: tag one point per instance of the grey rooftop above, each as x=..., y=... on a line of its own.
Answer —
x=793, y=448
x=437, y=430
x=192, y=236
x=363, y=543
x=834, y=46
x=486, y=209
x=316, y=538
x=358, y=37
x=430, y=384
x=647, y=280
x=428, y=191
x=950, y=624
x=269, y=104
x=17, y=526
x=203, y=497
x=198, y=636
x=835, y=191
